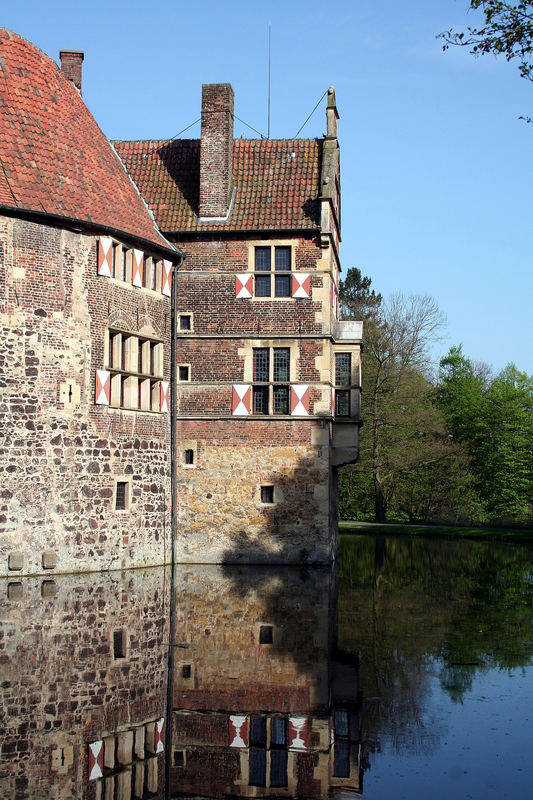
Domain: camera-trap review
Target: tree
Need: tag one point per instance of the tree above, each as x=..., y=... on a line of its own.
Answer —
x=356, y=300
x=402, y=428
x=493, y=417
x=508, y=31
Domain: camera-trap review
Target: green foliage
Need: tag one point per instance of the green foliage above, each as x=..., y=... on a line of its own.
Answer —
x=492, y=416
x=507, y=31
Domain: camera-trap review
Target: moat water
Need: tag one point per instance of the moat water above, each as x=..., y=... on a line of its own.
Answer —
x=405, y=673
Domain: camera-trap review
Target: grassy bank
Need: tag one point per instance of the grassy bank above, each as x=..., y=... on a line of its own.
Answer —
x=450, y=531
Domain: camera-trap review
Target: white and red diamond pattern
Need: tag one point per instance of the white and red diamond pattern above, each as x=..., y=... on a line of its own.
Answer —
x=241, y=403
x=105, y=257
x=137, y=260
x=300, y=400
x=102, y=391
x=301, y=284
x=164, y=396
x=96, y=760
x=166, y=278
x=243, y=286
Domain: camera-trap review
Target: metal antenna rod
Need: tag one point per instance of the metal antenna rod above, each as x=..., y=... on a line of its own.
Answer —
x=269, y=50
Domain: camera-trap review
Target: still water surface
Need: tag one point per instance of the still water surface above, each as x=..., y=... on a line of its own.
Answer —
x=444, y=632
x=405, y=673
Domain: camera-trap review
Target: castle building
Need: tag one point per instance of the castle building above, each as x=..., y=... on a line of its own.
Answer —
x=268, y=379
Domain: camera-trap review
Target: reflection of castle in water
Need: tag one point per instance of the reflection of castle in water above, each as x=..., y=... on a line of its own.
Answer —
x=259, y=707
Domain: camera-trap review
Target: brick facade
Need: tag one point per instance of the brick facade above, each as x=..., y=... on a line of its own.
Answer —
x=61, y=455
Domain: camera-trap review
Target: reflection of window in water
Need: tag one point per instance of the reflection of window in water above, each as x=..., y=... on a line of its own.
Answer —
x=341, y=753
x=268, y=764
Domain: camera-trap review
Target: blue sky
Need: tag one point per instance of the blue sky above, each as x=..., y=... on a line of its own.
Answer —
x=436, y=166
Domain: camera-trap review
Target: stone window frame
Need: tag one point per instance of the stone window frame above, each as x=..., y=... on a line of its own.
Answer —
x=124, y=353
x=188, y=378
x=190, y=315
x=268, y=747
x=128, y=497
x=272, y=243
x=351, y=388
x=188, y=444
x=122, y=270
x=271, y=345
x=277, y=495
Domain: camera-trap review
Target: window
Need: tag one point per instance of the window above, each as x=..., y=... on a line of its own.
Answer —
x=268, y=764
x=267, y=494
x=179, y=758
x=189, y=457
x=343, y=378
x=184, y=372
x=271, y=367
x=185, y=322
x=186, y=671
x=341, y=752
x=272, y=267
x=122, y=496
x=266, y=634
x=119, y=644
x=135, y=364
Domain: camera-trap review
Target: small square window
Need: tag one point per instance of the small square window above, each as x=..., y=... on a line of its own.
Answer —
x=185, y=322
x=179, y=758
x=189, y=456
x=184, y=373
x=121, y=496
x=186, y=671
x=267, y=494
x=266, y=634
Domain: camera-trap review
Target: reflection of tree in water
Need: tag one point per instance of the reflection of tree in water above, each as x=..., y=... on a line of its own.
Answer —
x=417, y=611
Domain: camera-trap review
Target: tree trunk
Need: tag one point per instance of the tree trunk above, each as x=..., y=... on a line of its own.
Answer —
x=380, y=505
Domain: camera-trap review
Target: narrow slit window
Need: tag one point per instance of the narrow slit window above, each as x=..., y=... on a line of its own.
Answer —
x=343, y=369
x=261, y=359
x=119, y=644
x=189, y=457
x=121, y=497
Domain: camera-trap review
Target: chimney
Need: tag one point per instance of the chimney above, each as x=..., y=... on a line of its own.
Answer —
x=71, y=66
x=216, y=150
x=332, y=114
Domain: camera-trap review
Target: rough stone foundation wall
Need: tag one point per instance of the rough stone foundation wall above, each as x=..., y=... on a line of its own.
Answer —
x=60, y=454
x=221, y=517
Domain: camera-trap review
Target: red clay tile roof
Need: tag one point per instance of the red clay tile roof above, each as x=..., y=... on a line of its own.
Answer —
x=53, y=156
x=277, y=183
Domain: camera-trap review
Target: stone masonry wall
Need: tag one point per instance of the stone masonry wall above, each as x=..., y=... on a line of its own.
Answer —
x=221, y=517
x=64, y=685
x=60, y=454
